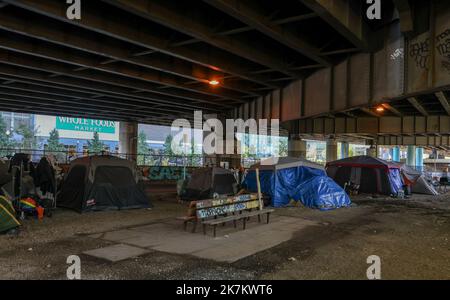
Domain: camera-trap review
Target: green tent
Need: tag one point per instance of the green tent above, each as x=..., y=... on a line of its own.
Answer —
x=7, y=219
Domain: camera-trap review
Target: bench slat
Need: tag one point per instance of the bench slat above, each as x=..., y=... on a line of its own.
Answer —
x=202, y=204
x=237, y=217
x=226, y=209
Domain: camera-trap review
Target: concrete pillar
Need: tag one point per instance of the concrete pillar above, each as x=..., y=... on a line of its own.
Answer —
x=396, y=154
x=345, y=147
x=128, y=139
x=411, y=156
x=331, y=150
x=297, y=148
x=419, y=157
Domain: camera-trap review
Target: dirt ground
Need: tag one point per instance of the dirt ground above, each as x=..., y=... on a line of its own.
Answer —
x=410, y=236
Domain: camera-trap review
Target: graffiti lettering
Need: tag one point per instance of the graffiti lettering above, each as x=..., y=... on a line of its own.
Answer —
x=443, y=48
x=221, y=210
x=167, y=173
x=420, y=52
x=398, y=53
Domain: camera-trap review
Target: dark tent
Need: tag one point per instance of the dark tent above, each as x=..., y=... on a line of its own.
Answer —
x=101, y=183
x=287, y=178
x=373, y=175
x=204, y=182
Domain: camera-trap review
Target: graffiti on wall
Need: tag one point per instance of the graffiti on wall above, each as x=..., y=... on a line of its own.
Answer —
x=419, y=51
x=443, y=48
x=160, y=173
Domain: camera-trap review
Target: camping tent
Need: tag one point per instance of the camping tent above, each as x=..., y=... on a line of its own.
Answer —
x=101, y=183
x=373, y=175
x=8, y=220
x=204, y=182
x=287, y=178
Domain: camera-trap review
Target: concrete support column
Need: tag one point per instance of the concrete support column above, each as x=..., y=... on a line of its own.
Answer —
x=331, y=150
x=297, y=148
x=345, y=147
x=419, y=157
x=128, y=139
x=411, y=156
x=396, y=154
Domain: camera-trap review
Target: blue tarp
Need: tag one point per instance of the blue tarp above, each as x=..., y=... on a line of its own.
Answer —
x=395, y=180
x=310, y=186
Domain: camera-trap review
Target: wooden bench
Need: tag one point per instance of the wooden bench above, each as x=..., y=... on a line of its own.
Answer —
x=214, y=212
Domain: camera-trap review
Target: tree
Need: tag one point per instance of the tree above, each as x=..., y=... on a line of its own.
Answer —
x=6, y=141
x=283, y=145
x=54, y=146
x=143, y=150
x=29, y=140
x=95, y=145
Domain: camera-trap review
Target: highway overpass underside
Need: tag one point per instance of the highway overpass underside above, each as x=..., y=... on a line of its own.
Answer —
x=321, y=67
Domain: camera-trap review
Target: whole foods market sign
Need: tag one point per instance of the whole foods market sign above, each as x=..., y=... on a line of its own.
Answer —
x=86, y=125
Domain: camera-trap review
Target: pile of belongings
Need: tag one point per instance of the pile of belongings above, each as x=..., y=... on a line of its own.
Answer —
x=30, y=207
x=45, y=176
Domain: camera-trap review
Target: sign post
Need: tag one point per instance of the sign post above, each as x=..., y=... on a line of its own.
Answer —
x=258, y=183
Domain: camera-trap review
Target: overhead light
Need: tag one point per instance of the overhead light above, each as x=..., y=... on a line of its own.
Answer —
x=379, y=108
x=214, y=82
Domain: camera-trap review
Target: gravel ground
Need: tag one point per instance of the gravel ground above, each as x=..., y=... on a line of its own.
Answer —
x=410, y=236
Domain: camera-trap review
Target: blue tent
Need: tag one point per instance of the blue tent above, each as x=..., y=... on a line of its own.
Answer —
x=286, y=178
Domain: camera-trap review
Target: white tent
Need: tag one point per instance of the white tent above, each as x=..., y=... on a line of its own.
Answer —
x=279, y=163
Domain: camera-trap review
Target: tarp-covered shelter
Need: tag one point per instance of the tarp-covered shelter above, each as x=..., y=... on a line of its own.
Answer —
x=204, y=182
x=287, y=178
x=372, y=175
x=101, y=183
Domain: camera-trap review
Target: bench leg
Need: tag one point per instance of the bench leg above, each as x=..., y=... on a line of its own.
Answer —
x=268, y=215
x=234, y=223
x=204, y=229
x=215, y=226
x=244, y=223
x=185, y=225
x=259, y=218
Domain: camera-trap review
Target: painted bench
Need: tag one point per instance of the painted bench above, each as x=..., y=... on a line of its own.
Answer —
x=214, y=212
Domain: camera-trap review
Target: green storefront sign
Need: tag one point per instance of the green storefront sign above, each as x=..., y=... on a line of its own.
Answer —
x=86, y=125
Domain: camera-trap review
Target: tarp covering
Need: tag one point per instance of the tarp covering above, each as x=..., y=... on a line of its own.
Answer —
x=373, y=175
x=308, y=184
x=101, y=183
x=8, y=220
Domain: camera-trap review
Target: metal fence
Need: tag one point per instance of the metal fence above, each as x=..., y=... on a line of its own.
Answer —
x=65, y=157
